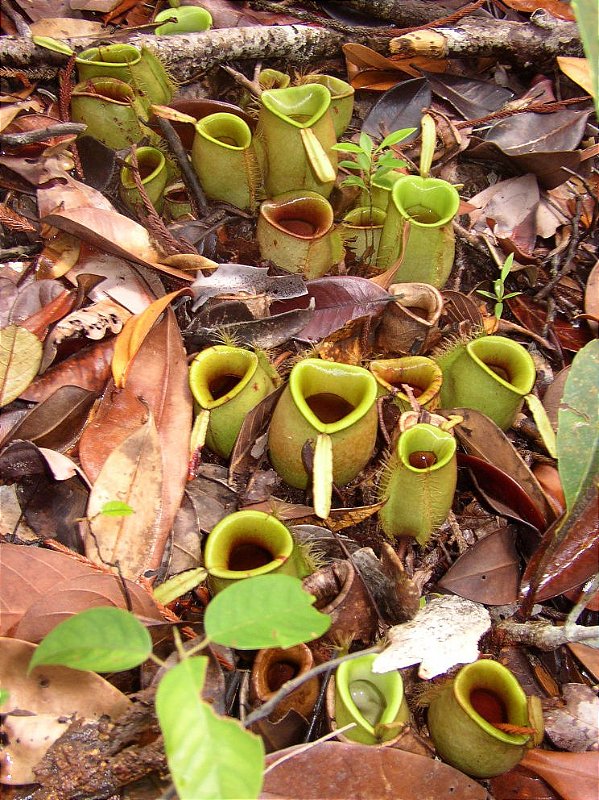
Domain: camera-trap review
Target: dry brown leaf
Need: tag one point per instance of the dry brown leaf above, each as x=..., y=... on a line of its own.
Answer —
x=66, y=27
x=131, y=474
x=159, y=375
x=59, y=255
x=29, y=573
x=134, y=333
x=78, y=594
x=50, y=694
x=335, y=769
x=20, y=357
x=573, y=775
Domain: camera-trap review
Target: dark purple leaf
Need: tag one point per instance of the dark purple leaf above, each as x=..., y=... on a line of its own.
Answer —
x=470, y=97
x=400, y=107
x=337, y=301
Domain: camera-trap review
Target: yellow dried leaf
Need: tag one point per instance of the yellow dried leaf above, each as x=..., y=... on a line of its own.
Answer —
x=578, y=70
x=20, y=358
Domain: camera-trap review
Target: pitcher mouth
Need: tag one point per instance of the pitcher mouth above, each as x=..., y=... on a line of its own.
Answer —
x=226, y=130
x=331, y=397
x=302, y=109
x=304, y=218
x=510, y=367
x=425, y=202
x=220, y=373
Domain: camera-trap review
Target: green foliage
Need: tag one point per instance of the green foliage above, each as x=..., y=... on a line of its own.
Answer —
x=265, y=611
x=179, y=584
x=578, y=425
x=54, y=45
x=498, y=293
x=101, y=639
x=372, y=163
x=115, y=508
x=208, y=756
x=4, y=695
x=587, y=17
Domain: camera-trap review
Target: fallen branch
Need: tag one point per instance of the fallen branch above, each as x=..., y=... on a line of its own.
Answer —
x=186, y=55
x=537, y=42
x=546, y=636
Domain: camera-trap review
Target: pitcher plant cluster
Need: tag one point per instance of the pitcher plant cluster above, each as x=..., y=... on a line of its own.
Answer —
x=325, y=424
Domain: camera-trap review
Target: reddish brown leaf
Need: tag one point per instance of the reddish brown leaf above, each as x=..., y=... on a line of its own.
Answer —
x=487, y=572
x=573, y=775
x=588, y=656
x=158, y=382
x=28, y=574
x=88, y=369
x=520, y=784
x=338, y=300
x=56, y=309
x=557, y=8
x=481, y=437
x=56, y=421
x=78, y=594
x=501, y=491
x=567, y=555
x=534, y=317
x=336, y=769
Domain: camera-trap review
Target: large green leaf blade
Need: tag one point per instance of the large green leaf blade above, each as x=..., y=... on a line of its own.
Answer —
x=208, y=756
x=265, y=611
x=578, y=425
x=103, y=639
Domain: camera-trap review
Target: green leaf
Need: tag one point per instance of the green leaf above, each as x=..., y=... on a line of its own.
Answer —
x=587, y=18
x=4, y=695
x=20, y=358
x=353, y=180
x=485, y=294
x=395, y=137
x=265, y=611
x=507, y=265
x=578, y=425
x=179, y=584
x=115, y=508
x=390, y=161
x=537, y=409
x=53, y=44
x=364, y=162
x=208, y=756
x=498, y=310
x=101, y=639
x=349, y=165
x=366, y=144
x=346, y=147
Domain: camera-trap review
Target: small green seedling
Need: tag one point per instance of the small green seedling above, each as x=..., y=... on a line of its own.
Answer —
x=372, y=163
x=116, y=508
x=498, y=293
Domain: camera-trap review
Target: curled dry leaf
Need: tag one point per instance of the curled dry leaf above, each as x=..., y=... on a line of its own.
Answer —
x=575, y=726
x=50, y=694
x=131, y=474
x=56, y=421
x=334, y=768
x=89, y=369
x=132, y=287
x=22, y=303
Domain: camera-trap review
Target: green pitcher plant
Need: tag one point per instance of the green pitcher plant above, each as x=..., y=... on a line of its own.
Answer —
x=185, y=19
x=227, y=383
x=296, y=134
x=225, y=160
x=332, y=406
x=491, y=374
x=112, y=111
x=422, y=375
x=374, y=702
x=245, y=544
x=153, y=173
x=139, y=68
x=295, y=231
x=465, y=720
x=361, y=231
x=418, y=483
x=342, y=99
x=419, y=231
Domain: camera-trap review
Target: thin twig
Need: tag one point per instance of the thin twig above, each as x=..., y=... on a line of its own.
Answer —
x=191, y=179
x=30, y=137
x=290, y=686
